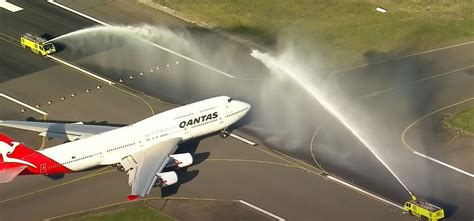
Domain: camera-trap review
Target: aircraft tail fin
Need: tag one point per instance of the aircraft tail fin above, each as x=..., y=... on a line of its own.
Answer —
x=11, y=158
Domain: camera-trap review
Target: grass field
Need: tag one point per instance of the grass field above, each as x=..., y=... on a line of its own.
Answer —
x=463, y=120
x=343, y=31
x=137, y=213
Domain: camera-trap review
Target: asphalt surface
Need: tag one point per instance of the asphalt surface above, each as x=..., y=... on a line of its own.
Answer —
x=230, y=165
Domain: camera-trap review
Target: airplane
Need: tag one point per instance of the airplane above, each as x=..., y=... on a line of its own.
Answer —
x=142, y=149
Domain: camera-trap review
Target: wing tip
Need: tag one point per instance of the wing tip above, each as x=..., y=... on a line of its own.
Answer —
x=132, y=197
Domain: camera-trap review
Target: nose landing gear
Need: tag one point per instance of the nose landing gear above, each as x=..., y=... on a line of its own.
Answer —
x=224, y=133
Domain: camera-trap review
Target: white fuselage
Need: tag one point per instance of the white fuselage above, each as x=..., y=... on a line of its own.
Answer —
x=185, y=122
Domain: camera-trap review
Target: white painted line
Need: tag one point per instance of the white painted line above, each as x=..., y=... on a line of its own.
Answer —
x=80, y=69
x=261, y=210
x=9, y=6
x=401, y=57
x=414, y=82
x=189, y=59
x=364, y=191
x=23, y=104
x=242, y=139
x=77, y=12
x=156, y=45
x=443, y=163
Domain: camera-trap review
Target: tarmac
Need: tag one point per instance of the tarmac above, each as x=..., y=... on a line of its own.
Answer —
x=227, y=169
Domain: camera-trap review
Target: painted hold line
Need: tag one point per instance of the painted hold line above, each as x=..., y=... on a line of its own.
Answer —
x=364, y=191
x=261, y=210
x=24, y=104
x=80, y=69
x=443, y=163
x=9, y=6
x=156, y=45
x=242, y=139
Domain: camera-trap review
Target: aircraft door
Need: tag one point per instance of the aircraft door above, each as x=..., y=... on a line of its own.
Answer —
x=42, y=168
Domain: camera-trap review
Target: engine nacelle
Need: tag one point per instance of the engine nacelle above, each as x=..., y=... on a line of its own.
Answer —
x=166, y=179
x=180, y=160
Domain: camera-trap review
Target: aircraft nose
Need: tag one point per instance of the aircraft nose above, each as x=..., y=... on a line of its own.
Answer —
x=243, y=106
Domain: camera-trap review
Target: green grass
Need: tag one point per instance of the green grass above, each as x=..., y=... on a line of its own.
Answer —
x=136, y=213
x=342, y=31
x=463, y=120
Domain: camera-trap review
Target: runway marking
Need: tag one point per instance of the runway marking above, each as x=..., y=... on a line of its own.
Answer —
x=402, y=57
x=402, y=137
x=444, y=164
x=247, y=141
x=251, y=161
x=318, y=170
x=261, y=210
x=77, y=12
x=97, y=173
x=153, y=98
x=80, y=69
x=364, y=191
x=134, y=95
x=9, y=40
x=413, y=82
x=279, y=157
x=311, y=145
x=9, y=6
x=24, y=104
x=12, y=38
x=154, y=44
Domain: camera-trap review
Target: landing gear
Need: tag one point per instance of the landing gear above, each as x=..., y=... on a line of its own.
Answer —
x=119, y=167
x=224, y=133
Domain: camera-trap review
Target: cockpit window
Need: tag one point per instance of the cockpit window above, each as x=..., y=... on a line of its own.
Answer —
x=229, y=100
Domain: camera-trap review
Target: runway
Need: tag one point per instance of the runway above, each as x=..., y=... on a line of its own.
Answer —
x=229, y=169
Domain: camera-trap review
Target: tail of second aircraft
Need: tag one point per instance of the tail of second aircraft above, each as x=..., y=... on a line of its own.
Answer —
x=16, y=158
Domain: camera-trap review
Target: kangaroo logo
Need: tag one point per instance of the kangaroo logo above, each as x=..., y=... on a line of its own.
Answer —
x=7, y=149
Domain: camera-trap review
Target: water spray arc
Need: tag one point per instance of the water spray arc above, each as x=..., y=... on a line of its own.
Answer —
x=140, y=35
x=298, y=75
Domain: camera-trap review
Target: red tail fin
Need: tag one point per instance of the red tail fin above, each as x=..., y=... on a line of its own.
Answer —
x=16, y=157
x=10, y=158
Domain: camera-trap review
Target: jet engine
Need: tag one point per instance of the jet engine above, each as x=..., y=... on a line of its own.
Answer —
x=166, y=179
x=180, y=160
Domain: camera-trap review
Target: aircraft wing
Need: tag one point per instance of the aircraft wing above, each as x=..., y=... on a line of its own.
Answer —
x=71, y=131
x=144, y=166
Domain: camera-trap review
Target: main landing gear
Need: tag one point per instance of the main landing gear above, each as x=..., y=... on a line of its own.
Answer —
x=224, y=133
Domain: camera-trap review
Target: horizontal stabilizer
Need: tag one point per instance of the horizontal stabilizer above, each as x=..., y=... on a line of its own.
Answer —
x=8, y=171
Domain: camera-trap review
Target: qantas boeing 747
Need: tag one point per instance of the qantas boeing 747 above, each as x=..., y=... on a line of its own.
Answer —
x=142, y=149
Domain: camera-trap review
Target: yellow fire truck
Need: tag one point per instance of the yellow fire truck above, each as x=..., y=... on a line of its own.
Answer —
x=423, y=209
x=37, y=44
